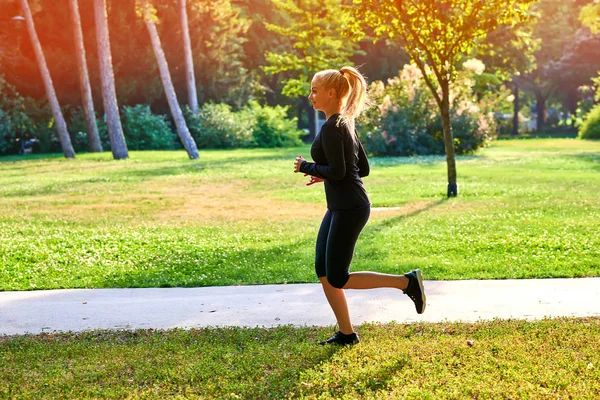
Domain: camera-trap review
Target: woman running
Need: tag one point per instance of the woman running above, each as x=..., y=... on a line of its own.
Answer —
x=340, y=162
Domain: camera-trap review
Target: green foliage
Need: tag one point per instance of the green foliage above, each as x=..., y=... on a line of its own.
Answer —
x=590, y=16
x=509, y=50
x=316, y=29
x=23, y=119
x=75, y=117
x=590, y=127
x=438, y=33
x=14, y=122
x=216, y=126
x=597, y=87
x=408, y=122
x=218, y=34
x=271, y=126
x=144, y=130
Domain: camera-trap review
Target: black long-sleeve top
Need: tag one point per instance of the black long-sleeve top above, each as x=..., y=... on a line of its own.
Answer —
x=341, y=161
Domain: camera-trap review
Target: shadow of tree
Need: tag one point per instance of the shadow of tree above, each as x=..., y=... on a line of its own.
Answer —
x=389, y=222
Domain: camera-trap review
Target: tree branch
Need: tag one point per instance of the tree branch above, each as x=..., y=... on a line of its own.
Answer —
x=415, y=38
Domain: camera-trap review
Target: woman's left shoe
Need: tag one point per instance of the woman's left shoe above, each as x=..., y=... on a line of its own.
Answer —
x=340, y=339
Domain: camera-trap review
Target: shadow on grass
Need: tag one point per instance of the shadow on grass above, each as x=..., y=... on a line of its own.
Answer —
x=389, y=222
x=220, y=266
x=546, y=134
x=592, y=158
x=30, y=157
x=429, y=161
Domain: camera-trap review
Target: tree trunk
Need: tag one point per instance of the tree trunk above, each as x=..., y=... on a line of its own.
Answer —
x=109, y=97
x=448, y=141
x=189, y=61
x=541, y=110
x=516, y=108
x=165, y=76
x=84, y=80
x=59, y=120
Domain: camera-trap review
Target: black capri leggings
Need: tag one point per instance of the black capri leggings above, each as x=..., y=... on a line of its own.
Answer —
x=335, y=243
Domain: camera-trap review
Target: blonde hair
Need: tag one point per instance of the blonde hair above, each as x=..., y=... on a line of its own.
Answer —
x=351, y=88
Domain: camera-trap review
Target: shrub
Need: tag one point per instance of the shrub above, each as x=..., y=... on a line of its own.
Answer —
x=407, y=120
x=144, y=130
x=15, y=124
x=216, y=126
x=271, y=127
x=590, y=127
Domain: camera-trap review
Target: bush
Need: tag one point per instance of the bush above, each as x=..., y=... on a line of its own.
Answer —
x=271, y=127
x=15, y=124
x=407, y=120
x=144, y=130
x=75, y=117
x=590, y=127
x=216, y=126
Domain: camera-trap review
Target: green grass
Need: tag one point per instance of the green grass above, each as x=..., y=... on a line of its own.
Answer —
x=526, y=208
x=548, y=359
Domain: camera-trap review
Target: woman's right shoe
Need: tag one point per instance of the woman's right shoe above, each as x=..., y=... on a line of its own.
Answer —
x=415, y=290
x=340, y=339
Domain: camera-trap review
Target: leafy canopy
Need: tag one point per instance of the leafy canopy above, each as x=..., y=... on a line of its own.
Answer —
x=590, y=16
x=317, y=30
x=438, y=33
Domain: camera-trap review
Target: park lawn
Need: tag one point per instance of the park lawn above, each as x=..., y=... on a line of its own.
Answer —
x=548, y=359
x=526, y=209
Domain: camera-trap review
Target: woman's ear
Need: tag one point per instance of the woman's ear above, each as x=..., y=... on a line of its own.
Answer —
x=332, y=93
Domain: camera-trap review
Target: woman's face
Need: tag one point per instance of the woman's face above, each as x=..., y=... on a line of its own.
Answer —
x=320, y=97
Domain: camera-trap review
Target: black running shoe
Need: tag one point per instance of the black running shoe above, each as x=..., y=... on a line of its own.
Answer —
x=415, y=290
x=340, y=339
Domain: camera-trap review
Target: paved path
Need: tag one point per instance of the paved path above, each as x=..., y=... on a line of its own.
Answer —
x=297, y=304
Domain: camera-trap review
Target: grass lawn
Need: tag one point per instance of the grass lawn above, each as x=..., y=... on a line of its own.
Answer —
x=549, y=359
x=526, y=208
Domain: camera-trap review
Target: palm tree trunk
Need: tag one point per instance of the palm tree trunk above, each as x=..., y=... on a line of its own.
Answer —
x=59, y=120
x=189, y=61
x=109, y=97
x=165, y=76
x=84, y=80
x=448, y=140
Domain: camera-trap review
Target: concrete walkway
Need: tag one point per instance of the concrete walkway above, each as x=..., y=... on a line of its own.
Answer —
x=299, y=304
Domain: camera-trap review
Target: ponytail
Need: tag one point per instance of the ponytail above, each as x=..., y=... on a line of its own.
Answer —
x=351, y=88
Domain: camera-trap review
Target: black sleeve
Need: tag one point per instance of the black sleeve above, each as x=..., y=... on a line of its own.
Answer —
x=363, y=161
x=333, y=147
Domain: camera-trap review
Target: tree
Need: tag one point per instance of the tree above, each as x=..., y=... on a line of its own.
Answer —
x=576, y=67
x=555, y=28
x=59, y=120
x=84, y=80
x=508, y=52
x=148, y=13
x=189, y=61
x=438, y=35
x=590, y=16
x=319, y=43
x=109, y=97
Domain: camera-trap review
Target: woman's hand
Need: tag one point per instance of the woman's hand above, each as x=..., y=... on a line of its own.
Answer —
x=313, y=180
x=298, y=163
